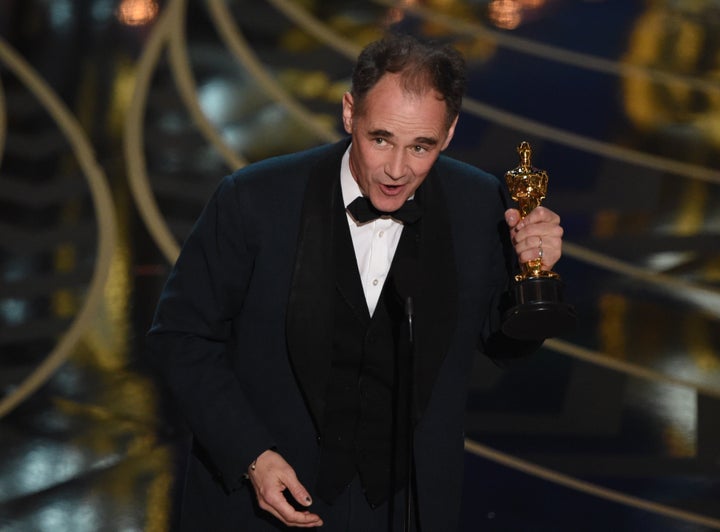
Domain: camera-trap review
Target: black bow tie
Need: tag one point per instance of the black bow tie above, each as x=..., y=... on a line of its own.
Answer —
x=364, y=211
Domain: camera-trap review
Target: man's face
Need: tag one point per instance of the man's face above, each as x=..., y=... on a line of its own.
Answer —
x=395, y=140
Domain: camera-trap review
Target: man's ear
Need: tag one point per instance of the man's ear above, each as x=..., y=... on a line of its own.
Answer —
x=451, y=132
x=347, y=112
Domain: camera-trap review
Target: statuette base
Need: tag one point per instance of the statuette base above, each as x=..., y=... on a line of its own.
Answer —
x=539, y=311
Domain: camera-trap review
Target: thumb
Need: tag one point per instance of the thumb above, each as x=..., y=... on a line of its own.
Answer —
x=298, y=491
x=512, y=217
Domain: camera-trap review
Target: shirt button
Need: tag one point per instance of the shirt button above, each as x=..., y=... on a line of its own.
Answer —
x=375, y=282
x=380, y=234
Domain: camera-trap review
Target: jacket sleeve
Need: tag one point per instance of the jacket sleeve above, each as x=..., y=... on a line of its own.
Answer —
x=187, y=343
x=494, y=343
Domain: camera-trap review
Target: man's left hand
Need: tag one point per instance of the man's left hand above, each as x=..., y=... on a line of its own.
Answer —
x=539, y=230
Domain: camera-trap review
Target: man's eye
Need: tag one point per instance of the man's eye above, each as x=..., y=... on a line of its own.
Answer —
x=419, y=149
x=379, y=141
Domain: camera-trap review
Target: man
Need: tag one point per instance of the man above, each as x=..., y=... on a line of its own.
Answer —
x=281, y=330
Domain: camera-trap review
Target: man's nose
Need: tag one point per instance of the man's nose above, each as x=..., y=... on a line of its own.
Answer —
x=396, y=165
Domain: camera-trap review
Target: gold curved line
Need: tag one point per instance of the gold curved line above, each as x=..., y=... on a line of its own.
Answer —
x=315, y=27
x=635, y=370
x=553, y=53
x=580, y=142
x=680, y=289
x=159, y=501
x=104, y=212
x=233, y=39
x=133, y=137
x=587, y=487
x=182, y=73
x=703, y=296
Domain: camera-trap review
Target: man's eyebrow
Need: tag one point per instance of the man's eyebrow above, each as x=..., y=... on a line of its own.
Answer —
x=384, y=133
x=430, y=141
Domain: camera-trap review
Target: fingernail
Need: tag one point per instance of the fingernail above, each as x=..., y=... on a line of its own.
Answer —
x=308, y=500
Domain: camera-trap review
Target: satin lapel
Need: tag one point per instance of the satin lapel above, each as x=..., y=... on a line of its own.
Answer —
x=436, y=305
x=310, y=306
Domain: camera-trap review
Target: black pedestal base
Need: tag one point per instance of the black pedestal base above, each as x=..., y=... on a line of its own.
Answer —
x=539, y=311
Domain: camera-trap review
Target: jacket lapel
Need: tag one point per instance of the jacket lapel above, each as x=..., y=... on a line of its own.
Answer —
x=310, y=306
x=436, y=304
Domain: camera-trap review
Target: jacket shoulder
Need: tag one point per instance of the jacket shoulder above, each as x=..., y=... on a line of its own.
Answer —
x=461, y=174
x=466, y=185
x=284, y=170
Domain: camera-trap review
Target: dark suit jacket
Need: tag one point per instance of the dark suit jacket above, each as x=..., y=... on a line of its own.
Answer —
x=242, y=331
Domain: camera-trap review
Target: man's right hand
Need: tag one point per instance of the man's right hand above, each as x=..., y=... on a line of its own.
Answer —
x=271, y=475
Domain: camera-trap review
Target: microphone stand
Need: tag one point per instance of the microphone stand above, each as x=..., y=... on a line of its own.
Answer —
x=409, y=509
x=407, y=282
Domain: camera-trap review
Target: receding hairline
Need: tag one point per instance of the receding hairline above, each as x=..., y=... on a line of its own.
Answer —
x=415, y=83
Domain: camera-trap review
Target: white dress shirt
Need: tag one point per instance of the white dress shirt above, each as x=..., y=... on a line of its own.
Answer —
x=374, y=242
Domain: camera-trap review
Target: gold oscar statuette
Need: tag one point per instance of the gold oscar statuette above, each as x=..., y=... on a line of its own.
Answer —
x=537, y=310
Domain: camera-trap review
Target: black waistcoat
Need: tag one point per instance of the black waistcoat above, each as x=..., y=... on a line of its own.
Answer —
x=365, y=429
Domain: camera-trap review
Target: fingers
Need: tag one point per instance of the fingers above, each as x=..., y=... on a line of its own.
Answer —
x=539, y=215
x=535, y=247
x=537, y=236
x=271, y=476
